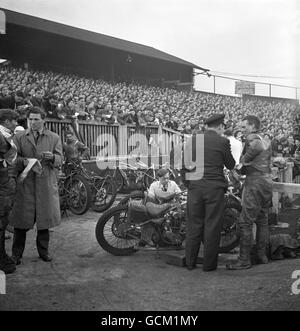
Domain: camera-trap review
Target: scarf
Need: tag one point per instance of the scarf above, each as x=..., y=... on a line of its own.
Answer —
x=5, y=132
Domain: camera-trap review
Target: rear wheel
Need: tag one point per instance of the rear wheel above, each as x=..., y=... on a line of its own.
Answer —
x=115, y=234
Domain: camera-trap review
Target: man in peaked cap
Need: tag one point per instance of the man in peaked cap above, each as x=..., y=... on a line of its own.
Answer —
x=206, y=188
x=215, y=120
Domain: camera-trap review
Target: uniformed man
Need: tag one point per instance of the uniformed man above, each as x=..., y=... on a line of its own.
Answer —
x=206, y=188
x=8, y=154
x=255, y=163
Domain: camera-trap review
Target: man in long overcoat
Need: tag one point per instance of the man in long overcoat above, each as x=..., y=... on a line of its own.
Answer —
x=37, y=197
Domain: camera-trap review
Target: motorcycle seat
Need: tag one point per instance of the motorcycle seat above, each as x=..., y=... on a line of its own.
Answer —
x=155, y=210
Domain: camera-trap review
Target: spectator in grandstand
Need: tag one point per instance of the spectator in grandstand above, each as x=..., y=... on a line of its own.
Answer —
x=14, y=101
x=37, y=99
x=297, y=144
x=50, y=106
x=156, y=105
x=290, y=147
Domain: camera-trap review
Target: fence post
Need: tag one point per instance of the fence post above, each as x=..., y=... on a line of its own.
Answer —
x=123, y=140
x=288, y=176
x=275, y=198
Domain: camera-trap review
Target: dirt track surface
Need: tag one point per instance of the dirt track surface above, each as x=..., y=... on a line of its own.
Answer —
x=84, y=277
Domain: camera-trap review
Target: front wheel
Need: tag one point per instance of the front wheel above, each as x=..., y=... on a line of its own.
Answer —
x=115, y=234
x=78, y=194
x=104, y=194
x=230, y=233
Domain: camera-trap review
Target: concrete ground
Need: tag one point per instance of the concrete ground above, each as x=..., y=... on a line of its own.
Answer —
x=84, y=277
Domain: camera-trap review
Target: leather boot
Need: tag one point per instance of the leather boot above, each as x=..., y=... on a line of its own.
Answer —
x=243, y=262
x=262, y=241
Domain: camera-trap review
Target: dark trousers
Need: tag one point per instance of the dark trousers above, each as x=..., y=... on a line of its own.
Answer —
x=205, y=208
x=7, y=190
x=3, y=225
x=256, y=200
x=42, y=242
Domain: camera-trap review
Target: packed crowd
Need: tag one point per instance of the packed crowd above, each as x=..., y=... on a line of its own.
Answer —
x=69, y=96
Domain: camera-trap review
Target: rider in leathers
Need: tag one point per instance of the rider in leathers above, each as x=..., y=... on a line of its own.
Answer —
x=255, y=163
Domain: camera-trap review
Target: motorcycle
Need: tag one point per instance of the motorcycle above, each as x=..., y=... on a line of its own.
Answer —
x=118, y=233
x=80, y=189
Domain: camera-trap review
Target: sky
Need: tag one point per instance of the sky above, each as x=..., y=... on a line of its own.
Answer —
x=245, y=37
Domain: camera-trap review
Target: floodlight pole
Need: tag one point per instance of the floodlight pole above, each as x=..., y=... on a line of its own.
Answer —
x=214, y=84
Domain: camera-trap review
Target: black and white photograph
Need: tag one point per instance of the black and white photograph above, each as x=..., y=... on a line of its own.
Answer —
x=149, y=158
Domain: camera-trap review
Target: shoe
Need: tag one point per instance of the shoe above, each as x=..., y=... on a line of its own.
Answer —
x=209, y=269
x=9, y=260
x=262, y=259
x=238, y=265
x=16, y=259
x=46, y=258
x=7, y=268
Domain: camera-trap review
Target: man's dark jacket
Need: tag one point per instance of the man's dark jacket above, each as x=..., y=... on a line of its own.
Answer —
x=215, y=153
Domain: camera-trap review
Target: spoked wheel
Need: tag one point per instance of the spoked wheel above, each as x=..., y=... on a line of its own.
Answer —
x=104, y=194
x=115, y=234
x=230, y=233
x=78, y=194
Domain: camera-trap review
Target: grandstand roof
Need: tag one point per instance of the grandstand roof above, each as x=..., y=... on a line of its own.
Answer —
x=33, y=22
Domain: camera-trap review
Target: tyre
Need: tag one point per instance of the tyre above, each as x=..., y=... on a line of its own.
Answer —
x=78, y=194
x=115, y=234
x=104, y=194
x=138, y=195
x=230, y=233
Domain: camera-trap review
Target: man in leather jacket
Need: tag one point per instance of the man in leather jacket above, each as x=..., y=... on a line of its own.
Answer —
x=8, y=153
x=255, y=163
